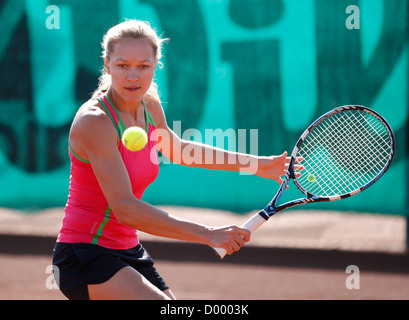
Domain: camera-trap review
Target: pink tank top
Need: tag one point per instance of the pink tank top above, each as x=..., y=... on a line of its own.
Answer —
x=88, y=217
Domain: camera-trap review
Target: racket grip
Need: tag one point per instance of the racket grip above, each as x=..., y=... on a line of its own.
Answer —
x=252, y=224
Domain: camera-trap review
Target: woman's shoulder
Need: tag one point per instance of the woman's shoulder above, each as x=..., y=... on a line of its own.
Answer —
x=152, y=101
x=91, y=116
x=154, y=106
x=90, y=126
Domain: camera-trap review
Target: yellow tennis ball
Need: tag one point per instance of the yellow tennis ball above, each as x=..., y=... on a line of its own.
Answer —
x=311, y=178
x=134, y=138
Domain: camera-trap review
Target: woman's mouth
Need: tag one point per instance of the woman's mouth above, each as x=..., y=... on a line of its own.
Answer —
x=132, y=89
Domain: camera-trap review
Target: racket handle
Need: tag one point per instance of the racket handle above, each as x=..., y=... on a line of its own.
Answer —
x=252, y=224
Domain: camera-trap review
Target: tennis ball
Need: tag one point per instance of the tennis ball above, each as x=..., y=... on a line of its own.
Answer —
x=311, y=178
x=134, y=138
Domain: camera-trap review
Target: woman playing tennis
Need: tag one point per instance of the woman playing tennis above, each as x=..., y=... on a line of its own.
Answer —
x=98, y=252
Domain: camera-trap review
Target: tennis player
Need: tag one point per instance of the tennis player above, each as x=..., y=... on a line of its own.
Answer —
x=98, y=252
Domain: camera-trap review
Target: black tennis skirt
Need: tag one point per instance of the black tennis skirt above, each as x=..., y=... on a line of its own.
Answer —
x=81, y=264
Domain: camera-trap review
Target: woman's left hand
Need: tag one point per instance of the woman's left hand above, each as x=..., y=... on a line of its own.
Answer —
x=274, y=167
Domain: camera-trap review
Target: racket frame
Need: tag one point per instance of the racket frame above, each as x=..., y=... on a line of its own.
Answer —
x=271, y=209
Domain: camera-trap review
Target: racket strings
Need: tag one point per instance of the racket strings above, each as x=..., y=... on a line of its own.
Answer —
x=343, y=153
x=361, y=140
x=353, y=146
x=371, y=141
x=347, y=157
x=346, y=151
x=320, y=175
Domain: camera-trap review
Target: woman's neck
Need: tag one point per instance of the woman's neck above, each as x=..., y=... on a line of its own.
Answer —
x=121, y=104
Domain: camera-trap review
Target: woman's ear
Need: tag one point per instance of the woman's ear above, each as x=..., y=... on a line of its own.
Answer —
x=106, y=63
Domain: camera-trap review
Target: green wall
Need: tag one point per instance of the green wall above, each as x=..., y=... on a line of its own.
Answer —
x=270, y=65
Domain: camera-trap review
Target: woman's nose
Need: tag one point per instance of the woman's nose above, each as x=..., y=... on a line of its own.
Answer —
x=133, y=75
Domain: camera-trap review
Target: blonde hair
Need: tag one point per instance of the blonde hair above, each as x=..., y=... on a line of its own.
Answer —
x=133, y=29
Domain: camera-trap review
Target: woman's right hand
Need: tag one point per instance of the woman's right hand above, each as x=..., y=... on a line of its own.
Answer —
x=231, y=238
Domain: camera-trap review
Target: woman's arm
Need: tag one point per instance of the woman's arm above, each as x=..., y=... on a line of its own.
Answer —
x=94, y=138
x=194, y=154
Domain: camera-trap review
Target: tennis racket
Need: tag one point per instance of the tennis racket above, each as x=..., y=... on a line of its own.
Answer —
x=344, y=152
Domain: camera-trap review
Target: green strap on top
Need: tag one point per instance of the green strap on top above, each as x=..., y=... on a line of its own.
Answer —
x=120, y=127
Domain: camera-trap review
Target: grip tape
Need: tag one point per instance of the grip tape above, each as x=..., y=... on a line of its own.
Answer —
x=252, y=224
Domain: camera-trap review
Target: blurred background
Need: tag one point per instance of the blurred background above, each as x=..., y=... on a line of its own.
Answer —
x=269, y=65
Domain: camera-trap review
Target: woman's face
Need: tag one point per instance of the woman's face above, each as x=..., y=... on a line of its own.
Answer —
x=132, y=65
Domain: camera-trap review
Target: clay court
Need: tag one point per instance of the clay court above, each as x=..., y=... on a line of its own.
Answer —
x=299, y=255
